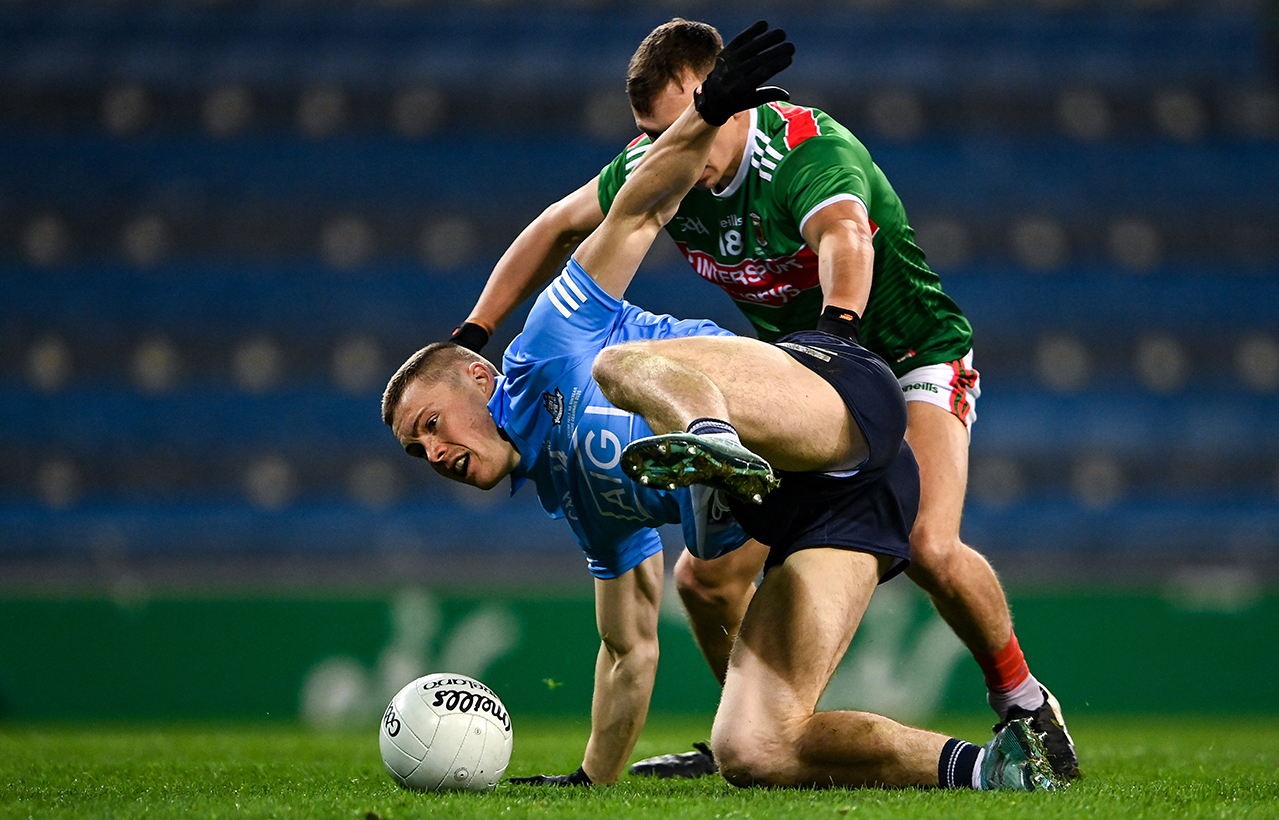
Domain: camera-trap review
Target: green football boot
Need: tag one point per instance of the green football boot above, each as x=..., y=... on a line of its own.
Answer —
x=675, y=460
x=1015, y=760
x=1051, y=728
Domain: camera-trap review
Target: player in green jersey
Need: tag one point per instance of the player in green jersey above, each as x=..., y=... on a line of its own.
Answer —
x=791, y=215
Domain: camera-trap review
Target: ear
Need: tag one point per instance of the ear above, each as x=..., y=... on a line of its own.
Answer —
x=690, y=83
x=690, y=80
x=479, y=375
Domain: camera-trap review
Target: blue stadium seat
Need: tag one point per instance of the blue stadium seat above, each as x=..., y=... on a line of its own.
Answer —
x=244, y=211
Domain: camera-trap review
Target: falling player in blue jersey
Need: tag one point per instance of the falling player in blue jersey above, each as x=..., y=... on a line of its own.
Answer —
x=584, y=389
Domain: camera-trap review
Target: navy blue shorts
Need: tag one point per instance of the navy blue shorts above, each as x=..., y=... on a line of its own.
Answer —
x=872, y=511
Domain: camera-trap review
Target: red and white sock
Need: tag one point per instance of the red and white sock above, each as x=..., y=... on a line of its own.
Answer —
x=1008, y=680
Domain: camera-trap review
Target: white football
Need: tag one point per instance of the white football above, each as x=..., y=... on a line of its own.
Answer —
x=446, y=731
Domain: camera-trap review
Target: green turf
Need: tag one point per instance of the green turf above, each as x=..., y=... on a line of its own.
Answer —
x=1135, y=768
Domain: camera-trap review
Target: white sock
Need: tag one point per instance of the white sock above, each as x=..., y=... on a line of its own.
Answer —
x=1028, y=694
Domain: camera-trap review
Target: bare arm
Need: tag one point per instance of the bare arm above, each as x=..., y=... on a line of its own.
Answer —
x=626, y=610
x=537, y=254
x=646, y=202
x=840, y=234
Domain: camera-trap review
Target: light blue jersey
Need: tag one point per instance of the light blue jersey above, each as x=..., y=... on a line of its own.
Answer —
x=570, y=438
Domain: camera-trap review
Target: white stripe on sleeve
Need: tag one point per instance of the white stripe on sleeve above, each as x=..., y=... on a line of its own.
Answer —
x=550, y=292
x=831, y=201
x=563, y=292
x=568, y=280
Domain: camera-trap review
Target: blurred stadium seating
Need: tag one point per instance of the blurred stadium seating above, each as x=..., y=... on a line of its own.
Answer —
x=222, y=224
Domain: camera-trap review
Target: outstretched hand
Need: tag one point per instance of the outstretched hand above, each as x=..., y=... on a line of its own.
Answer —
x=577, y=778
x=751, y=58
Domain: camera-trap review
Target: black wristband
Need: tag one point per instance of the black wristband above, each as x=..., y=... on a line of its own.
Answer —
x=471, y=336
x=842, y=322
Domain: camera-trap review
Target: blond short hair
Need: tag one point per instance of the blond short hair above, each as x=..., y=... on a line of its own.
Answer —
x=434, y=363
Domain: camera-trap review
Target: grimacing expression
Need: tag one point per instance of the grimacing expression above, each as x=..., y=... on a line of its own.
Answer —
x=448, y=424
x=730, y=142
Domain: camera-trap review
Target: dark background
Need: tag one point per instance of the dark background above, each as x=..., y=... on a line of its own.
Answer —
x=224, y=224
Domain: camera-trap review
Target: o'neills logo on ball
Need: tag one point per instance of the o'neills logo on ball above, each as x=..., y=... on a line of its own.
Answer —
x=439, y=682
x=456, y=700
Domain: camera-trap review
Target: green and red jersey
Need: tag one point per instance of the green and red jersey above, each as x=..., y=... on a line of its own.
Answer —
x=748, y=238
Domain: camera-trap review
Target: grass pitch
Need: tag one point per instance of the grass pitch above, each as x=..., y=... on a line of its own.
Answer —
x=1134, y=768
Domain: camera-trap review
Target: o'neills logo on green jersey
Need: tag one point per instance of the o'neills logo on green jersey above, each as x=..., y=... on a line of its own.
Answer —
x=772, y=282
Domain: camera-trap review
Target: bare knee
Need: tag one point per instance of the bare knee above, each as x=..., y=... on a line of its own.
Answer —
x=710, y=582
x=609, y=371
x=638, y=381
x=689, y=580
x=962, y=584
x=756, y=746
x=749, y=761
x=936, y=554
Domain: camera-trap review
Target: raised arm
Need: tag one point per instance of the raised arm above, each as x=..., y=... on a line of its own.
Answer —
x=535, y=256
x=648, y=200
x=650, y=197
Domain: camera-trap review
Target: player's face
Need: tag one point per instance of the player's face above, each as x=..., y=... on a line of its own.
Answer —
x=449, y=425
x=730, y=142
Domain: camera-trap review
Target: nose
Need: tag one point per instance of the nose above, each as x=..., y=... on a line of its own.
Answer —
x=435, y=452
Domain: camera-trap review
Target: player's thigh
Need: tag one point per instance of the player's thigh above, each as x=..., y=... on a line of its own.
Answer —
x=789, y=414
x=734, y=569
x=940, y=442
x=795, y=632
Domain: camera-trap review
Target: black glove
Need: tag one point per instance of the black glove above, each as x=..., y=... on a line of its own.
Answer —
x=470, y=336
x=577, y=778
x=734, y=85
